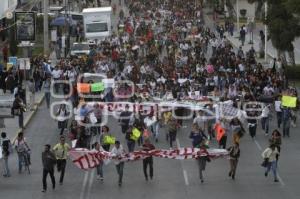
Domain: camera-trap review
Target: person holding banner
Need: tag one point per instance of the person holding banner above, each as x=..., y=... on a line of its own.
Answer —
x=147, y=146
x=117, y=152
x=234, y=155
x=99, y=168
x=202, y=160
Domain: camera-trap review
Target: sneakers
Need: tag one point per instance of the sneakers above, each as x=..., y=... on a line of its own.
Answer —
x=233, y=176
x=266, y=174
x=276, y=180
x=44, y=190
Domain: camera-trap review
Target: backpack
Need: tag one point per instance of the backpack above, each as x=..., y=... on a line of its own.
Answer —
x=6, y=147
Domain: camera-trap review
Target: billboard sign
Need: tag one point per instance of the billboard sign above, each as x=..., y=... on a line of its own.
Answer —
x=25, y=26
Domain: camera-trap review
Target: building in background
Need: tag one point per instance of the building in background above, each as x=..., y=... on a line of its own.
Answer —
x=7, y=6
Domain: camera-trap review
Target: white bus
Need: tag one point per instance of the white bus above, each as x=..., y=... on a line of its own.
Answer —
x=97, y=23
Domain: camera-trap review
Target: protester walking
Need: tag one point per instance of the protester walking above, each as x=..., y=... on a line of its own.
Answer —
x=99, y=167
x=23, y=151
x=147, y=146
x=18, y=109
x=49, y=161
x=124, y=119
x=6, y=151
x=47, y=87
x=202, y=160
x=270, y=160
x=118, y=152
x=234, y=155
x=172, y=130
x=61, y=151
x=62, y=117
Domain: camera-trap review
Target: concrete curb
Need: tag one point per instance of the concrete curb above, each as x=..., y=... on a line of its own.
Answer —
x=30, y=116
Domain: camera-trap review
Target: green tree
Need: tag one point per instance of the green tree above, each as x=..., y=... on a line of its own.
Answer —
x=293, y=6
x=283, y=27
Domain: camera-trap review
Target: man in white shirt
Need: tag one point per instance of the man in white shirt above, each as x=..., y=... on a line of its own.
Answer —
x=117, y=152
x=56, y=74
x=265, y=119
x=278, y=111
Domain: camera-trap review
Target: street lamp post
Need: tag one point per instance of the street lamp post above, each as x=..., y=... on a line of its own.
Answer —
x=237, y=16
x=266, y=31
x=46, y=35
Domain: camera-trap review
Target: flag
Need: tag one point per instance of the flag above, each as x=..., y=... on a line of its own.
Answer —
x=220, y=131
x=83, y=87
x=97, y=87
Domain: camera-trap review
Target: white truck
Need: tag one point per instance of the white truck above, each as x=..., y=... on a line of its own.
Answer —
x=97, y=23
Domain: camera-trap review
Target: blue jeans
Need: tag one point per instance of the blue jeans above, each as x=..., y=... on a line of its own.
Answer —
x=5, y=166
x=155, y=129
x=130, y=145
x=286, y=127
x=273, y=166
x=100, y=169
x=20, y=161
x=120, y=168
x=265, y=124
x=47, y=97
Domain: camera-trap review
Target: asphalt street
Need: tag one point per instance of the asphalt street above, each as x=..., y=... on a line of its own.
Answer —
x=172, y=178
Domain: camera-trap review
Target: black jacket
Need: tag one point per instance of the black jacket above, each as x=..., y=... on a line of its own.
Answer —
x=49, y=160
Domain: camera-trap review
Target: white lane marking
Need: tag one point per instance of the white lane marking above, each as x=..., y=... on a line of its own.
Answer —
x=280, y=179
x=278, y=176
x=92, y=176
x=185, y=175
x=85, y=180
x=186, y=180
x=258, y=145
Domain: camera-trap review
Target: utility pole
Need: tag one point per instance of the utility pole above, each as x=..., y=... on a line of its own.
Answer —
x=237, y=17
x=266, y=31
x=46, y=27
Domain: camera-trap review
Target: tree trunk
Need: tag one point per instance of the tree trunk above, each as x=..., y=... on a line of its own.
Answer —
x=281, y=54
x=292, y=57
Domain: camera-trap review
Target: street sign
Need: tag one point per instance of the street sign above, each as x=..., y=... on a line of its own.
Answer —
x=25, y=25
x=24, y=63
x=13, y=60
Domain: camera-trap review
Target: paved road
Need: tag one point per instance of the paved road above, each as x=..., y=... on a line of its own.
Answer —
x=172, y=178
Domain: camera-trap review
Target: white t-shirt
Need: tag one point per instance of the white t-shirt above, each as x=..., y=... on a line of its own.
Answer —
x=56, y=74
x=278, y=106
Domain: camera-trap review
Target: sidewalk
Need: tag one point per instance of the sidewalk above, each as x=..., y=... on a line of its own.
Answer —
x=11, y=124
x=271, y=51
x=237, y=43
